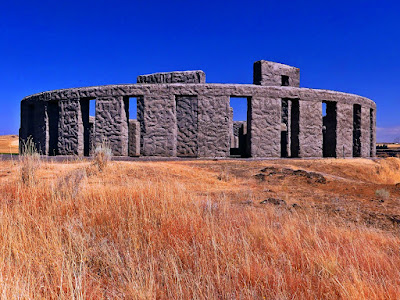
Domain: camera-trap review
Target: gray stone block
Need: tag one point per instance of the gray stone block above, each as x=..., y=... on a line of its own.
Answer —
x=134, y=138
x=344, y=145
x=112, y=124
x=187, y=126
x=269, y=73
x=174, y=77
x=180, y=115
x=265, y=127
x=70, y=130
x=310, y=129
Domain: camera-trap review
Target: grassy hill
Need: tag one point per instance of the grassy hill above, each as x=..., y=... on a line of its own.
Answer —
x=278, y=229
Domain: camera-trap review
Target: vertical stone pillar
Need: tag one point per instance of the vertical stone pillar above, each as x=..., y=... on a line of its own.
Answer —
x=213, y=126
x=231, y=134
x=70, y=130
x=373, y=132
x=310, y=126
x=187, y=126
x=158, y=125
x=344, y=131
x=134, y=138
x=365, y=132
x=111, y=124
x=265, y=127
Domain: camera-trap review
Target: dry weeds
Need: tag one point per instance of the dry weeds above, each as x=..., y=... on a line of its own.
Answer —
x=172, y=230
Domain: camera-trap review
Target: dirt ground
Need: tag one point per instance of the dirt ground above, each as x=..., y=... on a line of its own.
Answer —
x=360, y=191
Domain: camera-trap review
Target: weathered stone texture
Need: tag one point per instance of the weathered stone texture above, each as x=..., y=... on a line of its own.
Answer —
x=213, y=122
x=112, y=124
x=365, y=132
x=270, y=74
x=344, y=144
x=310, y=124
x=174, y=77
x=239, y=129
x=186, y=119
x=70, y=130
x=134, y=138
x=180, y=115
x=373, y=132
x=265, y=127
x=356, y=130
x=159, y=125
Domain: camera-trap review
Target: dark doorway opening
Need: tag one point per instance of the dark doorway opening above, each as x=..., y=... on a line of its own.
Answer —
x=329, y=125
x=88, y=113
x=186, y=120
x=290, y=128
x=357, y=130
x=239, y=146
x=131, y=109
x=53, y=118
x=285, y=80
x=31, y=121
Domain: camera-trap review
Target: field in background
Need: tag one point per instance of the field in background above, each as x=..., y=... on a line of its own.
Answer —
x=8, y=144
x=202, y=229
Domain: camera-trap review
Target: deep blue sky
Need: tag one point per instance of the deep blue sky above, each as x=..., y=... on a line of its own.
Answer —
x=350, y=46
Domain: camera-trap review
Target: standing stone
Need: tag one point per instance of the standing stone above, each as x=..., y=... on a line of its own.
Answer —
x=214, y=122
x=159, y=125
x=373, y=132
x=112, y=124
x=344, y=133
x=134, y=138
x=70, y=134
x=365, y=132
x=310, y=126
x=186, y=118
x=264, y=127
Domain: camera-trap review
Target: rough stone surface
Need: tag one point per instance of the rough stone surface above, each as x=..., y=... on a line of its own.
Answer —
x=112, y=124
x=134, y=138
x=174, y=77
x=213, y=122
x=70, y=134
x=159, y=125
x=310, y=136
x=372, y=123
x=186, y=119
x=195, y=119
x=274, y=74
x=265, y=127
x=365, y=132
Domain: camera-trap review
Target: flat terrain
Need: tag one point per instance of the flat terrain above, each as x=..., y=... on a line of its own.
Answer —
x=278, y=229
x=8, y=144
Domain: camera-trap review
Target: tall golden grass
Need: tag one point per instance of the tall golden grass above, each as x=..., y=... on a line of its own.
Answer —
x=169, y=231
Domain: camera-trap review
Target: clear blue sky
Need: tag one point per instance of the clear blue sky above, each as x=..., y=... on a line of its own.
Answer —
x=350, y=46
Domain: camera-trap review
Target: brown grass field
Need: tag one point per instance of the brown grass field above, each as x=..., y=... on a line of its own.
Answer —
x=8, y=143
x=197, y=230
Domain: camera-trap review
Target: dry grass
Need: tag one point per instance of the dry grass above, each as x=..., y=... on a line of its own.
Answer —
x=8, y=143
x=180, y=230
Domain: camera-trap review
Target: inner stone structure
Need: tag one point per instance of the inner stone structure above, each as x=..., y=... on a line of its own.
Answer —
x=180, y=115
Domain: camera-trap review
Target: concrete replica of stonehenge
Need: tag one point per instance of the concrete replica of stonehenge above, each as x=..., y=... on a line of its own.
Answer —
x=179, y=115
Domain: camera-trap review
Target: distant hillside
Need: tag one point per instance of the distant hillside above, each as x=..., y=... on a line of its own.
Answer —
x=8, y=143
